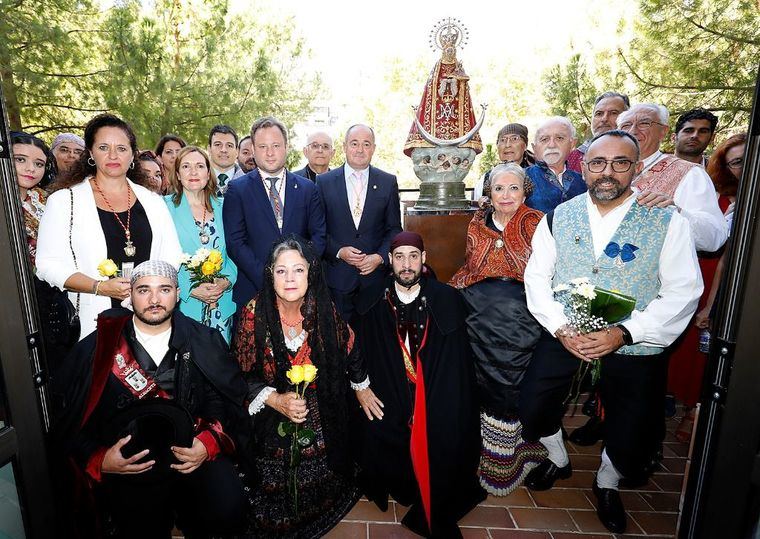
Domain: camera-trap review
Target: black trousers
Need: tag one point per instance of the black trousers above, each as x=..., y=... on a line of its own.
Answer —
x=208, y=501
x=632, y=390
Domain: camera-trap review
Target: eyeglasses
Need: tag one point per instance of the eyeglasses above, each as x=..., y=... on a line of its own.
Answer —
x=511, y=138
x=618, y=165
x=317, y=146
x=736, y=163
x=643, y=125
x=65, y=150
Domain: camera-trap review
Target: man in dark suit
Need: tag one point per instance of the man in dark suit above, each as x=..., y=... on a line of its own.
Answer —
x=363, y=215
x=266, y=204
x=318, y=151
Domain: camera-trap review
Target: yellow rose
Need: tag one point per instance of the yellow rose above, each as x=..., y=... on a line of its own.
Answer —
x=215, y=256
x=295, y=374
x=218, y=266
x=108, y=268
x=309, y=373
x=208, y=268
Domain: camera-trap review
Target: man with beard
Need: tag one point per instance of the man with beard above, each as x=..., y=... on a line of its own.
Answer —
x=420, y=443
x=245, y=154
x=512, y=147
x=607, y=107
x=695, y=131
x=553, y=182
x=616, y=244
x=151, y=399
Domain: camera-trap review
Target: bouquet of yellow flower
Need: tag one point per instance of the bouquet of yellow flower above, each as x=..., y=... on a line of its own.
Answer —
x=300, y=376
x=204, y=266
x=108, y=268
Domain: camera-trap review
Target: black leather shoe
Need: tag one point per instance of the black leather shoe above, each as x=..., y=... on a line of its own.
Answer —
x=543, y=476
x=589, y=407
x=609, y=508
x=588, y=434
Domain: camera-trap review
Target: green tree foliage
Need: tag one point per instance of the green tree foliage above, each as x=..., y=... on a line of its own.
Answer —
x=488, y=159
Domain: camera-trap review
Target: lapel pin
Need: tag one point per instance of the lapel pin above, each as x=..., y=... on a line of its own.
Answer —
x=295, y=186
x=374, y=186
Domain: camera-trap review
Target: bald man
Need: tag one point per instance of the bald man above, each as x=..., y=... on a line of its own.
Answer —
x=318, y=151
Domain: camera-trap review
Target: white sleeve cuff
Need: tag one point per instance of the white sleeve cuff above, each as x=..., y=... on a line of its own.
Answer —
x=257, y=404
x=361, y=385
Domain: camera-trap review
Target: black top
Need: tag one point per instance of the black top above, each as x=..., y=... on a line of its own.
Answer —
x=116, y=239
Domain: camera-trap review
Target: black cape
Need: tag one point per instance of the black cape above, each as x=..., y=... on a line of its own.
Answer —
x=453, y=431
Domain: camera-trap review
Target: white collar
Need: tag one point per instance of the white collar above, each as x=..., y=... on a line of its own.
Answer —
x=230, y=172
x=156, y=345
x=405, y=296
x=349, y=171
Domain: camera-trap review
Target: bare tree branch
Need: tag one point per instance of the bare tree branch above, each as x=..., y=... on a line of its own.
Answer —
x=722, y=35
x=79, y=109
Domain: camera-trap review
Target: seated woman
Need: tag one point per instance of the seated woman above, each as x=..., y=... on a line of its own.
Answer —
x=293, y=322
x=502, y=331
x=194, y=209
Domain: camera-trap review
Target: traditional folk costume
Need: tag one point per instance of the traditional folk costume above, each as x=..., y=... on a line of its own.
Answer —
x=550, y=190
x=662, y=275
x=114, y=373
x=424, y=451
x=503, y=334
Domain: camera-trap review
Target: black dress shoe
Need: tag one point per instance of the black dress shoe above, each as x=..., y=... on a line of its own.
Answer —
x=609, y=508
x=589, y=407
x=543, y=476
x=588, y=434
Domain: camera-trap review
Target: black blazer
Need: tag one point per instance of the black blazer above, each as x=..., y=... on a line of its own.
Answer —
x=381, y=221
x=250, y=228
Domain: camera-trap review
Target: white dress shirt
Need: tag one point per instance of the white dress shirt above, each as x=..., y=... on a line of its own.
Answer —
x=696, y=197
x=280, y=184
x=155, y=345
x=664, y=319
x=353, y=190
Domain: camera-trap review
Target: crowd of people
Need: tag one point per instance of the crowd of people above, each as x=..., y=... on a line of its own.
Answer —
x=257, y=348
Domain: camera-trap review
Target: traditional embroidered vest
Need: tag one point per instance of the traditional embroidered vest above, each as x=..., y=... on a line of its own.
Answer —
x=641, y=227
x=664, y=176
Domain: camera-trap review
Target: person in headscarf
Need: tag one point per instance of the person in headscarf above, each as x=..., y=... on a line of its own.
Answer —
x=67, y=148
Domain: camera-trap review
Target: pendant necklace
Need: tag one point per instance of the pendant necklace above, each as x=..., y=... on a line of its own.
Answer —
x=292, y=333
x=129, y=248
x=204, y=237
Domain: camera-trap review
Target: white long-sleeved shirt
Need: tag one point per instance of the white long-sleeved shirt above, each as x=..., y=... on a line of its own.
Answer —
x=696, y=197
x=664, y=319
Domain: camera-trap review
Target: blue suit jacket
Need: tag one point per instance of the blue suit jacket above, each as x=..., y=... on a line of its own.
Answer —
x=381, y=221
x=251, y=229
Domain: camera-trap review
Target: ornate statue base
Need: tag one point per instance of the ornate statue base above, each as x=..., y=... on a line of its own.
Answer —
x=441, y=171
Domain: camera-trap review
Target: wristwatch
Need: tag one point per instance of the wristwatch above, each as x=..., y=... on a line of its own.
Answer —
x=627, y=339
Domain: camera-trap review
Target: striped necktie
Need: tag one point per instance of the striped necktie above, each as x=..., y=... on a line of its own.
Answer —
x=275, y=200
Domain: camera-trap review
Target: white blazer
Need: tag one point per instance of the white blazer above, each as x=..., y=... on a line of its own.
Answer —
x=55, y=263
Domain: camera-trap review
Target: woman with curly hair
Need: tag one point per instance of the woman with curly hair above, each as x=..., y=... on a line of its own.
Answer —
x=292, y=322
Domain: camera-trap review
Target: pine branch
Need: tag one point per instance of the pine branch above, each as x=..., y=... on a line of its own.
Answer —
x=68, y=107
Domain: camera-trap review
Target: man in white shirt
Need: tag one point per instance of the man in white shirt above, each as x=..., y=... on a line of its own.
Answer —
x=223, y=153
x=647, y=253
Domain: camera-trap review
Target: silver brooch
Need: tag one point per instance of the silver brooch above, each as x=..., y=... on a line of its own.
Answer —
x=499, y=243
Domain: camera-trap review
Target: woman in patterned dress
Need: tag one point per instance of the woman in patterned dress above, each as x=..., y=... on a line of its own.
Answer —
x=502, y=331
x=32, y=159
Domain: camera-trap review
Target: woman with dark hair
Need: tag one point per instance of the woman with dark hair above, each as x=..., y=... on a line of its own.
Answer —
x=33, y=162
x=102, y=210
x=153, y=169
x=291, y=322
x=687, y=362
x=502, y=331
x=166, y=150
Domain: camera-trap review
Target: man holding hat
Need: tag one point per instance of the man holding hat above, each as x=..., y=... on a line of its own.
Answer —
x=512, y=146
x=419, y=440
x=150, y=398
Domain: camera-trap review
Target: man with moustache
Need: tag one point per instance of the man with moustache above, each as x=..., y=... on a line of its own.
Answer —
x=553, y=182
x=246, y=160
x=266, y=204
x=512, y=147
x=318, y=151
x=418, y=439
x=607, y=107
x=608, y=238
x=695, y=131
x=153, y=398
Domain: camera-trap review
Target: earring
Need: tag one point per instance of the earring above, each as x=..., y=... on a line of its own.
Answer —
x=91, y=161
x=132, y=164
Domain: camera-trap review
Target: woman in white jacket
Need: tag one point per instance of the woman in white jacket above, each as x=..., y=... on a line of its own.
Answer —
x=101, y=211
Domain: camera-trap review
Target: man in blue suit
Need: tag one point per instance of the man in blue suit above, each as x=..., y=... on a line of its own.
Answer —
x=266, y=204
x=363, y=215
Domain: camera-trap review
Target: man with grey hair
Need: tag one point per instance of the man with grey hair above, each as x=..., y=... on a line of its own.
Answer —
x=553, y=182
x=153, y=398
x=607, y=107
x=318, y=151
x=67, y=148
x=512, y=147
x=667, y=180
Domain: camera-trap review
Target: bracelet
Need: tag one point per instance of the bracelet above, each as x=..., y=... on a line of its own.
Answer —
x=95, y=288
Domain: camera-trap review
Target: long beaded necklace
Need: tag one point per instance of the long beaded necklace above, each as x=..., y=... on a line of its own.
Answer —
x=292, y=332
x=129, y=248
x=202, y=235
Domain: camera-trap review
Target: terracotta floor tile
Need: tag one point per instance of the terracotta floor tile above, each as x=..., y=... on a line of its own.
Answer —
x=475, y=533
x=543, y=519
x=518, y=498
x=390, y=531
x=585, y=462
x=632, y=500
x=401, y=510
x=595, y=449
x=348, y=530
x=573, y=422
x=674, y=464
x=579, y=479
x=679, y=449
x=518, y=534
x=489, y=517
x=656, y=523
x=668, y=482
x=561, y=498
x=368, y=512
x=582, y=535
x=662, y=501
x=588, y=522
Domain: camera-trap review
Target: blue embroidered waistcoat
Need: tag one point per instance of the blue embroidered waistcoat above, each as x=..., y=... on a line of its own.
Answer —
x=630, y=263
x=546, y=194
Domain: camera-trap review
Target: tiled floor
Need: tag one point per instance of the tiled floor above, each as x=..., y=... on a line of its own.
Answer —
x=565, y=512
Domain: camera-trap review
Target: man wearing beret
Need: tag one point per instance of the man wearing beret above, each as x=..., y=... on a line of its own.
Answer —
x=512, y=147
x=418, y=432
x=151, y=400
